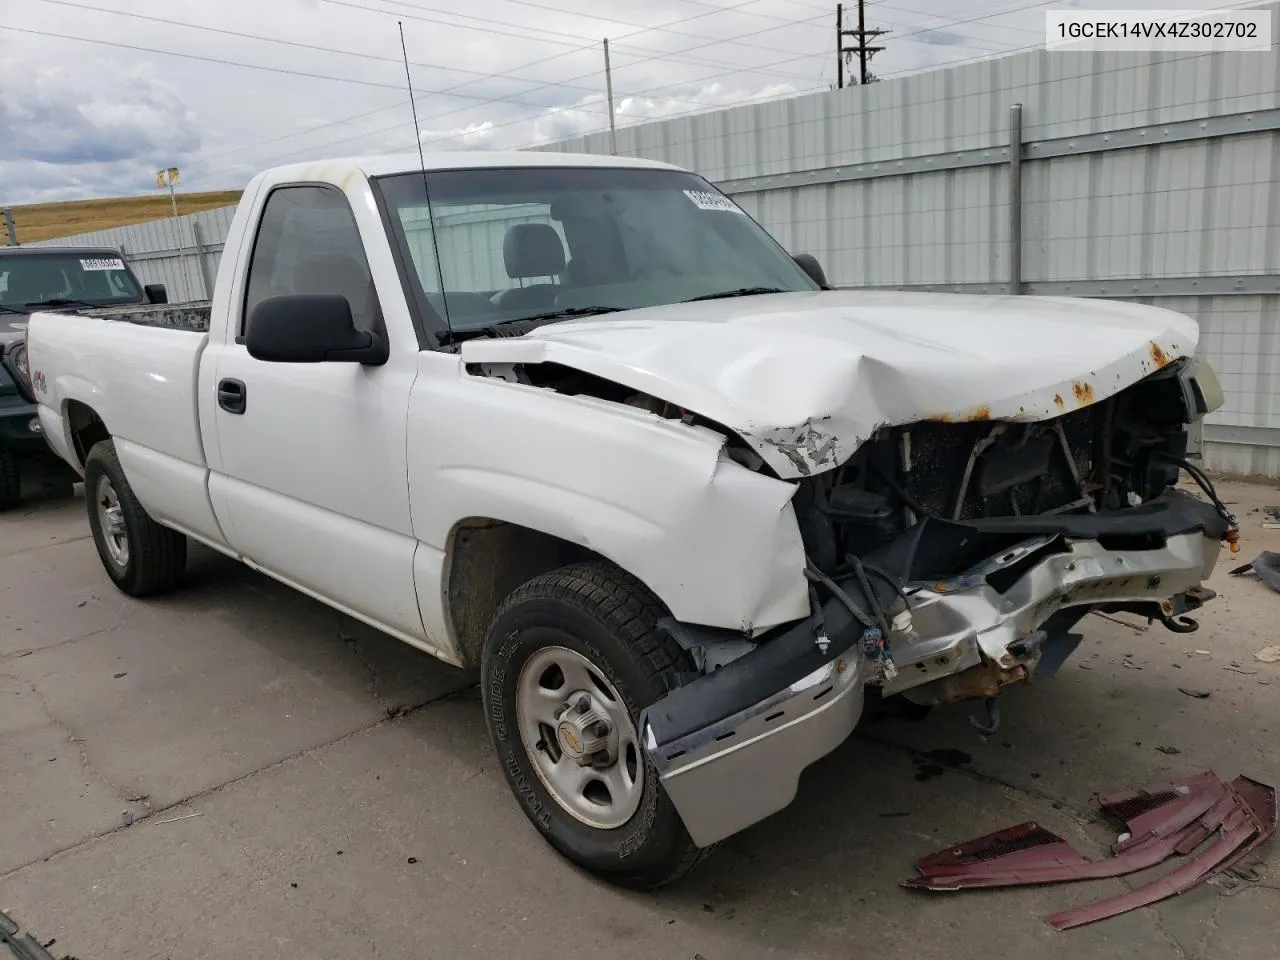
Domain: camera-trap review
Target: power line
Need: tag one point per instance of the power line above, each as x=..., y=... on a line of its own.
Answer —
x=532, y=4
x=638, y=94
x=532, y=63
x=487, y=27
x=482, y=101
x=551, y=112
x=497, y=126
x=280, y=41
x=201, y=57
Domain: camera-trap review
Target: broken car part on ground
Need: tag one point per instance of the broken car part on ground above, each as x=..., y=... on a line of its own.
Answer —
x=682, y=504
x=1162, y=820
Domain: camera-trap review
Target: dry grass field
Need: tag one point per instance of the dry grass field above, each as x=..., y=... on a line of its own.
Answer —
x=45, y=221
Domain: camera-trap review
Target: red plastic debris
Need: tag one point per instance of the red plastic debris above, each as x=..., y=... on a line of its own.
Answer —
x=1163, y=820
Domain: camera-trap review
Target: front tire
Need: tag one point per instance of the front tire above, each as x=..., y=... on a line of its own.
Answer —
x=141, y=557
x=10, y=480
x=571, y=659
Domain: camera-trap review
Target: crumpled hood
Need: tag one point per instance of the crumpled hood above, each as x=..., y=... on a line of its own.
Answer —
x=807, y=378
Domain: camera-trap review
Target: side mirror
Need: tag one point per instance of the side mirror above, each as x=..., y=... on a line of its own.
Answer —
x=809, y=264
x=156, y=293
x=311, y=328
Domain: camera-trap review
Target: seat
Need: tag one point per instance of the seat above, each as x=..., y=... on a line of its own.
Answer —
x=531, y=250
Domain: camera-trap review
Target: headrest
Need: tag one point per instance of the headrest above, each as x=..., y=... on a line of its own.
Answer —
x=532, y=250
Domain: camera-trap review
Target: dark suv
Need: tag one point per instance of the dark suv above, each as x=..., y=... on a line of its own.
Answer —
x=48, y=278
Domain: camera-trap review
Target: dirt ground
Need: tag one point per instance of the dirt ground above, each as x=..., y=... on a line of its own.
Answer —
x=302, y=787
x=45, y=221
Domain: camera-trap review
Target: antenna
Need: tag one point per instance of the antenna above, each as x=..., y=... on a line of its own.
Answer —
x=426, y=194
x=417, y=134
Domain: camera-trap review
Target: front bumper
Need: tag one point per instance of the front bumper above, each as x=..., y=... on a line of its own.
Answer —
x=966, y=622
x=20, y=428
x=730, y=746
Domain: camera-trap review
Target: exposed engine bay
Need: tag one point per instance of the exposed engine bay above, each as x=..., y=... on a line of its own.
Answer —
x=933, y=510
x=953, y=544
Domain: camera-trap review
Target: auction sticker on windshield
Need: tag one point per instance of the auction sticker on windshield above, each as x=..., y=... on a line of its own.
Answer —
x=102, y=263
x=706, y=200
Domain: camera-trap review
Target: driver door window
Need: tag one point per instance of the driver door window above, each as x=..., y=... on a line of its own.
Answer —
x=308, y=243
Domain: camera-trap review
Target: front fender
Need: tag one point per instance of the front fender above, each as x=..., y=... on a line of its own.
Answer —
x=715, y=541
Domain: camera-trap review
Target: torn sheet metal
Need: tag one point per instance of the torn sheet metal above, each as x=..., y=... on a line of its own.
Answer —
x=1162, y=820
x=807, y=378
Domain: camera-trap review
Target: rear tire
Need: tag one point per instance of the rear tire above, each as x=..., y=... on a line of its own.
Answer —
x=141, y=557
x=587, y=634
x=10, y=480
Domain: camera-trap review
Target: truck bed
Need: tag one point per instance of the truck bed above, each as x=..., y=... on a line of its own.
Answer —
x=142, y=381
x=192, y=315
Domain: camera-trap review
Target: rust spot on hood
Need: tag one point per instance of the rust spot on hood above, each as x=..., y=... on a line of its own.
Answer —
x=1158, y=356
x=981, y=413
x=1083, y=391
x=1059, y=402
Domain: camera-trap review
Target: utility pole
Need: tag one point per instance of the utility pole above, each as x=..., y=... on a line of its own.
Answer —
x=862, y=34
x=840, y=46
x=9, y=228
x=608, y=84
x=167, y=178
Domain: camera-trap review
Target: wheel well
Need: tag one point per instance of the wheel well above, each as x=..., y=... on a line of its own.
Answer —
x=86, y=429
x=488, y=559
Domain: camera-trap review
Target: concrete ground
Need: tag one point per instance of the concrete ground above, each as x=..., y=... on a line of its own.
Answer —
x=302, y=787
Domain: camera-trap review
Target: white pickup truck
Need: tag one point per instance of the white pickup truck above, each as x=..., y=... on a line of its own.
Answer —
x=581, y=423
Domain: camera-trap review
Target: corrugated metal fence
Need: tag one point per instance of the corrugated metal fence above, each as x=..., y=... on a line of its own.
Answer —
x=1148, y=177
x=181, y=253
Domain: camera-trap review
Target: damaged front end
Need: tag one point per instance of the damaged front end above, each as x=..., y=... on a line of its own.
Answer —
x=947, y=560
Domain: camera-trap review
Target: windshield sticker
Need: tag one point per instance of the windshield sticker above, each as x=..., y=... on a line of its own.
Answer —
x=106, y=263
x=706, y=200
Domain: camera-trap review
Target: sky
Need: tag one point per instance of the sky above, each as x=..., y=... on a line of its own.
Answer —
x=96, y=95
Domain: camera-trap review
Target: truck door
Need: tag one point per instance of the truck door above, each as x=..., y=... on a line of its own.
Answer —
x=311, y=471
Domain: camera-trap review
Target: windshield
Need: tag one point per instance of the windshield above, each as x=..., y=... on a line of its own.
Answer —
x=504, y=244
x=95, y=278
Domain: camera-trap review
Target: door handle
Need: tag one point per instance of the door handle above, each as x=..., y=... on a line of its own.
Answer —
x=232, y=395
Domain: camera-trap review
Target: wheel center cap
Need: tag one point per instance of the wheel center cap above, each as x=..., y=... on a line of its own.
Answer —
x=585, y=732
x=570, y=742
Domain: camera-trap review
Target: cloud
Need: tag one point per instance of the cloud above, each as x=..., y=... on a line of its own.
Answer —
x=60, y=135
x=473, y=136
x=575, y=121
x=942, y=38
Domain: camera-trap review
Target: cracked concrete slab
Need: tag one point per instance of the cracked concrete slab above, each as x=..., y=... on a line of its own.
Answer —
x=51, y=797
x=211, y=671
